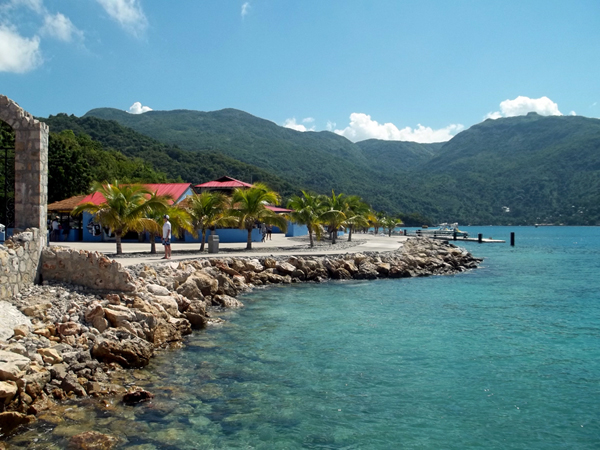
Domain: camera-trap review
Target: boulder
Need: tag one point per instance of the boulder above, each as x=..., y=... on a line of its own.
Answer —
x=12, y=366
x=93, y=440
x=93, y=311
x=122, y=347
x=137, y=396
x=71, y=384
x=207, y=284
x=50, y=355
x=253, y=265
x=11, y=420
x=164, y=333
x=227, y=302
x=69, y=329
x=168, y=303
x=117, y=314
x=8, y=389
x=157, y=290
x=226, y=286
x=285, y=268
x=190, y=290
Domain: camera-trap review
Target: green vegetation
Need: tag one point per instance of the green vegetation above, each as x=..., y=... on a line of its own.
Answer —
x=518, y=170
x=126, y=207
x=160, y=160
x=248, y=206
x=208, y=211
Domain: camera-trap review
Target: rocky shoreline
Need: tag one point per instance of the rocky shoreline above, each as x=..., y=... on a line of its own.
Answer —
x=74, y=342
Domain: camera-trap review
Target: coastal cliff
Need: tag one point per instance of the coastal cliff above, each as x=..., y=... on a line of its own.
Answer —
x=75, y=340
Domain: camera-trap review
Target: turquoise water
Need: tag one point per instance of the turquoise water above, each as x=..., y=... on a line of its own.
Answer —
x=507, y=356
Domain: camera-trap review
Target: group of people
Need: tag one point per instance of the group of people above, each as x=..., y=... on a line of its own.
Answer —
x=56, y=227
x=266, y=231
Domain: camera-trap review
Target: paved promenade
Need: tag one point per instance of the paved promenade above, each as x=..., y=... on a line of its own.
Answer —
x=136, y=253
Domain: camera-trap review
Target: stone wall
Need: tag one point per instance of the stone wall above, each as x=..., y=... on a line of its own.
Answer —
x=31, y=165
x=19, y=261
x=91, y=269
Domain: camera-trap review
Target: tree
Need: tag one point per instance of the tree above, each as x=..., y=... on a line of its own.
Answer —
x=390, y=223
x=248, y=206
x=125, y=207
x=179, y=218
x=209, y=210
x=307, y=211
x=357, y=214
x=333, y=213
x=69, y=172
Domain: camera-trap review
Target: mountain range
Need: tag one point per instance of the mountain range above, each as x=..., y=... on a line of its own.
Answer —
x=516, y=170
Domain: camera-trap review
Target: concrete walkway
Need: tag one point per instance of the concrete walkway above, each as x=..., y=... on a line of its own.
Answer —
x=279, y=245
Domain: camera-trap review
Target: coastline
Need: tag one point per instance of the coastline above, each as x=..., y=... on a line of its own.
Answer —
x=82, y=342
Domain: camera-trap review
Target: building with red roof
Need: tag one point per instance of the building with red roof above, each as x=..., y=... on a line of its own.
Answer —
x=223, y=184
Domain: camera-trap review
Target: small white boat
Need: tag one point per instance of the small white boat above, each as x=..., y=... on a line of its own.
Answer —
x=444, y=229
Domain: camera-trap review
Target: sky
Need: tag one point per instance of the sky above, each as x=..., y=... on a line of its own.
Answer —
x=387, y=69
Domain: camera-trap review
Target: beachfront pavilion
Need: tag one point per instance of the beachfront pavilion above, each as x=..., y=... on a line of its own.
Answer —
x=83, y=228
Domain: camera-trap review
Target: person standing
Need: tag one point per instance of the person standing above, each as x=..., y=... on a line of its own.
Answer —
x=263, y=231
x=54, y=234
x=166, y=237
x=269, y=231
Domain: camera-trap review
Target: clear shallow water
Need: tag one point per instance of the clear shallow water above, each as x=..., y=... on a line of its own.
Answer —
x=507, y=356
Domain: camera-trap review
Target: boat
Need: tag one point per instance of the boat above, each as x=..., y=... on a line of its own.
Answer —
x=444, y=230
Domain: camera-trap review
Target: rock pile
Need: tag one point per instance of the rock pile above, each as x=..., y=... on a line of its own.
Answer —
x=77, y=338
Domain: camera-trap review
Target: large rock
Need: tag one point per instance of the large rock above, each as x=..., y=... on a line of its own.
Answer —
x=164, y=333
x=227, y=302
x=50, y=355
x=157, y=290
x=122, y=347
x=11, y=317
x=8, y=389
x=93, y=440
x=12, y=366
x=117, y=314
x=207, y=284
x=11, y=420
x=190, y=290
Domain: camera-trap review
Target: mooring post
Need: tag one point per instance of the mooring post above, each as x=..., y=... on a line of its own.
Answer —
x=512, y=238
x=454, y=235
x=405, y=233
x=480, y=238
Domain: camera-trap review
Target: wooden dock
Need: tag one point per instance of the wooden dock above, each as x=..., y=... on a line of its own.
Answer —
x=461, y=239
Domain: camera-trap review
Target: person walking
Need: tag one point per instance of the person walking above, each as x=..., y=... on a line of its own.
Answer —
x=166, y=237
x=269, y=231
x=263, y=232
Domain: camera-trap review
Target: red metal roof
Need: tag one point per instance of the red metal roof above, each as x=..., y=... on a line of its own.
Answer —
x=176, y=190
x=277, y=209
x=224, y=182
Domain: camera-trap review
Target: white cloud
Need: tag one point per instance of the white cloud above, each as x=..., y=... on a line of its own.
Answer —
x=137, y=108
x=60, y=27
x=523, y=105
x=363, y=127
x=291, y=123
x=34, y=5
x=128, y=13
x=572, y=113
x=331, y=125
x=245, y=9
x=17, y=53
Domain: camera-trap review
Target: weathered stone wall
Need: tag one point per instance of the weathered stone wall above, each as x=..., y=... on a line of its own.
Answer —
x=19, y=261
x=31, y=165
x=91, y=269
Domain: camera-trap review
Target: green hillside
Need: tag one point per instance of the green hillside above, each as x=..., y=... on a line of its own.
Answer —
x=174, y=162
x=519, y=170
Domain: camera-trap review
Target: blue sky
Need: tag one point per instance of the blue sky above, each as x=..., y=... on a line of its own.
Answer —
x=403, y=70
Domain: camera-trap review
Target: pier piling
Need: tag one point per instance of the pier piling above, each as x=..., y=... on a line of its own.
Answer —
x=480, y=238
x=512, y=238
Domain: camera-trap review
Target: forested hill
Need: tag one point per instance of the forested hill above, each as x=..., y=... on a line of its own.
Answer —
x=174, y=162
x=518, y=170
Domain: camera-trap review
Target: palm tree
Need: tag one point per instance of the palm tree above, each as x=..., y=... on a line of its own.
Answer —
x=307, y=211
x=390, y=223
x=333, y=214
x=357, y=213
x=208, y=210
x=249, y=207
x=180, y=220
x=125, y=207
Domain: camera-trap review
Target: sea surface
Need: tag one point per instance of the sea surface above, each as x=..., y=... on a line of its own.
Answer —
x=503, y=357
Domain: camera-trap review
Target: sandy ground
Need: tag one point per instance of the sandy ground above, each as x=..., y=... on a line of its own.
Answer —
x=136, y=253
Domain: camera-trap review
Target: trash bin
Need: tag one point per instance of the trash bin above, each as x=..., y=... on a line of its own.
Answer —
x=2, y=233
x=213, y=243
